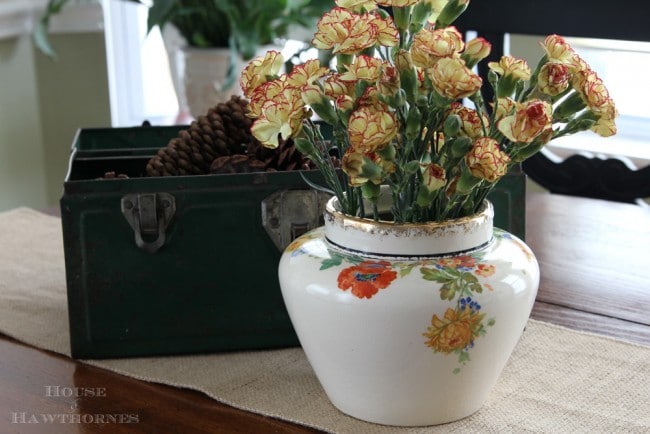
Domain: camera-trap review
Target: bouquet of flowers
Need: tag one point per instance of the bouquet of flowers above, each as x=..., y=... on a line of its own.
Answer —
x=407, y=110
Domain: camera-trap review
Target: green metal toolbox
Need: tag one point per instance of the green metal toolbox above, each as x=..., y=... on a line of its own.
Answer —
x=186, y=264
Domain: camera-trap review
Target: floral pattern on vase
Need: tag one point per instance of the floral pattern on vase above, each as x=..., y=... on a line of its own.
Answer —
x=453, y=331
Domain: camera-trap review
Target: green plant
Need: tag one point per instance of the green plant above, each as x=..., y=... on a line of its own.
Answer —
x=242, y=25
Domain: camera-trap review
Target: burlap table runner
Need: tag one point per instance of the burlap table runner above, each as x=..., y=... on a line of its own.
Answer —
x=557, y=381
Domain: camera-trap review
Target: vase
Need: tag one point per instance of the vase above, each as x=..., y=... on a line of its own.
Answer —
x=408, y=324
x=202, y=78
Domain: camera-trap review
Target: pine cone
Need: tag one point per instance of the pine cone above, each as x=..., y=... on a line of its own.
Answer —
x=223, y=131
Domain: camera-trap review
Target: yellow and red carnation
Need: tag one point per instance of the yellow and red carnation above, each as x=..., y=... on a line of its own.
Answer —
x=259, y=71
x=357, y=5
x=530, y=119
x=554, y=78
x=306, y=73
x=471, y=122
x=281, y=117
x=363, y=68
x=344, y=32
x=512, y=67
x=476, y=50
x=263, y=93
x=371, y=129
x=387, y=32
x=486, y=160
x=431, y=45
x=433, y=177
x=452, y=79
x=397, y=3
x=558, y=50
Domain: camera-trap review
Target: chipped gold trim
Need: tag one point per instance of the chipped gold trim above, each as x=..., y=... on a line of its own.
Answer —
x=385, y=227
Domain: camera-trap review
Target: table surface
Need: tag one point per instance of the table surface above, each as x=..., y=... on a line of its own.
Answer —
x=595, y=270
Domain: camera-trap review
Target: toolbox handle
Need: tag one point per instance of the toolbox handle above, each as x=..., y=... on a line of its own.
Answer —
x=149, y=215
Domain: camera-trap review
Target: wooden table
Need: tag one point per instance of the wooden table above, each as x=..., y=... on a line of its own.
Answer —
x=595, y=264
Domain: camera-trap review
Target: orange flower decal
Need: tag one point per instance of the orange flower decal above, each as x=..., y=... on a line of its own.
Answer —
x=484, y=270
x=367, y=278
x=455, y=331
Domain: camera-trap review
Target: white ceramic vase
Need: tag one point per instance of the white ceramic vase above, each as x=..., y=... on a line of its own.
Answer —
x=410, y=324
x=203, y=72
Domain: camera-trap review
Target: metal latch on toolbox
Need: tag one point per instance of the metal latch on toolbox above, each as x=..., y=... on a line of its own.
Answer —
x=287, y=214
x=149, y=214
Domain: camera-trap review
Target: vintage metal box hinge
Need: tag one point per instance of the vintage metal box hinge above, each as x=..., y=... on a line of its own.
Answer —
x=149, y=214
x=287, y=214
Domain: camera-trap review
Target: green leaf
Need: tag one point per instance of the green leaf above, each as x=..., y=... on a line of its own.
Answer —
x=334, y=261
x=445, y=275
x=447, y=292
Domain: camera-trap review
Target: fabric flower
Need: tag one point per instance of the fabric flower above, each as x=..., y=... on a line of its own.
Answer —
x=486, y=160
x=455, y=331
x=529, y=121
x=258, y=71
x=370, y=129
x=452, y=79
x=367, y=278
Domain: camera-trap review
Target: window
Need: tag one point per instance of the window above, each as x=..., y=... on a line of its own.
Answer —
x=140, y=81
x=620, y=64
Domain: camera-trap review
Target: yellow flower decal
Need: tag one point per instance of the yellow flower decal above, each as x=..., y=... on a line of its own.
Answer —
x=455, y=331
